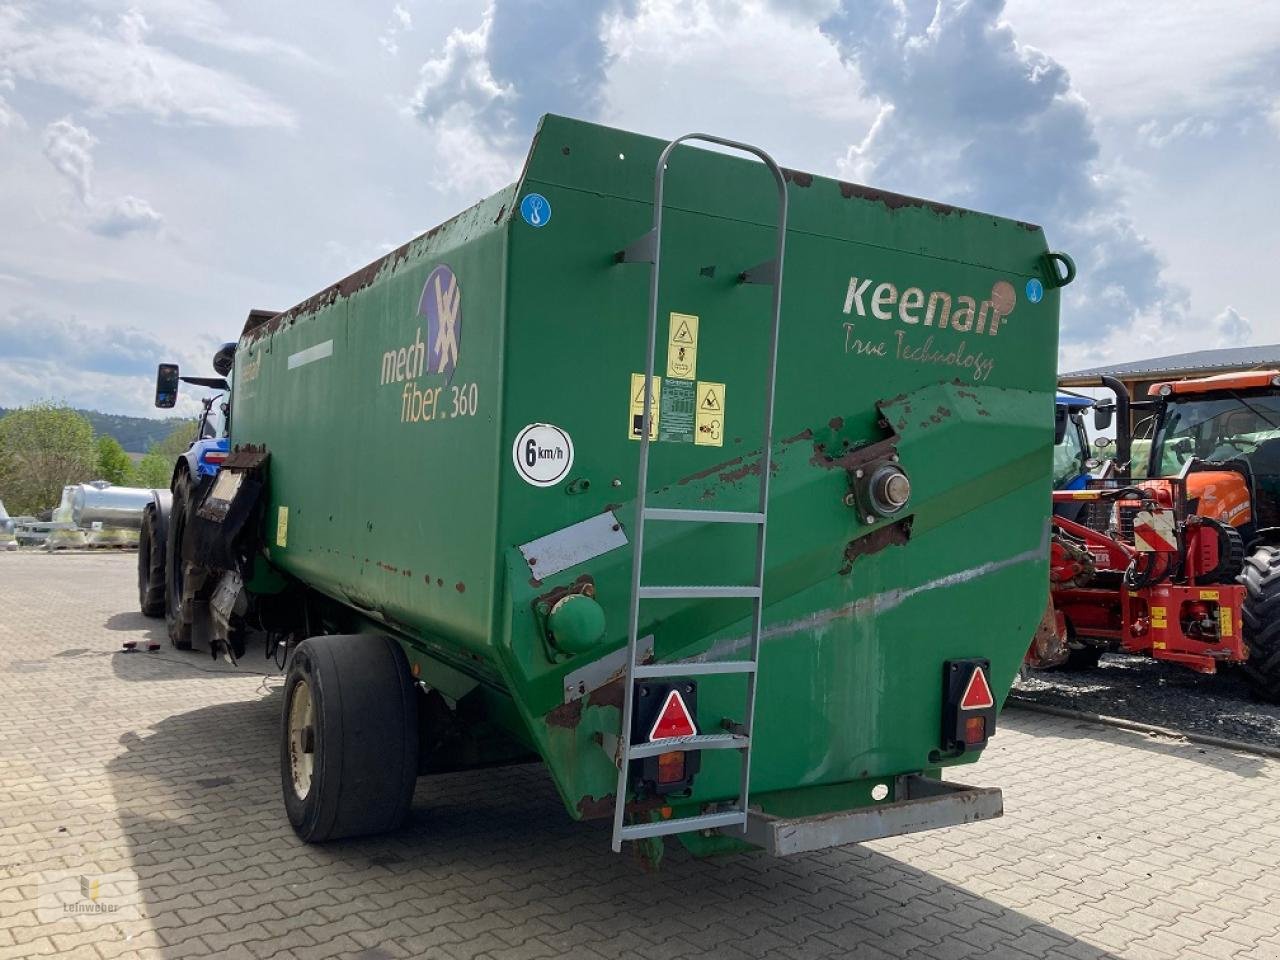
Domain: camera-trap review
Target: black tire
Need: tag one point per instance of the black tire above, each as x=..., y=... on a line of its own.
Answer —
x=177, y=619
x=363, y=737
x=1080, y=656
x=1261, y=614
x=151, y=556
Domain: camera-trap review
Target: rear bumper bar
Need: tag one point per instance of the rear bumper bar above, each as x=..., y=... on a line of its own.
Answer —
x=921, y=804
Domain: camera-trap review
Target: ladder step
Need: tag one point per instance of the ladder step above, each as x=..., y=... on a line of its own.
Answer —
x=707, y=821
x=658, y=593
x=703, y=516
x=658, y=671
x=706, y=741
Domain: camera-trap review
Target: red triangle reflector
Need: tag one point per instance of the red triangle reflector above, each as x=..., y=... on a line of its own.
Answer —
x=673, y=719
x=977, y=695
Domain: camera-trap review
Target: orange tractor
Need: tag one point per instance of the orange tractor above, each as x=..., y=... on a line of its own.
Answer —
x=1182, y=564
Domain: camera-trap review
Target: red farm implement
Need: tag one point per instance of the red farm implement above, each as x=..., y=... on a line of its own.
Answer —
x=1140, y=572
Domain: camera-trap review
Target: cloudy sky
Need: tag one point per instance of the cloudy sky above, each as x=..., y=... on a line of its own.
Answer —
x=165, y=165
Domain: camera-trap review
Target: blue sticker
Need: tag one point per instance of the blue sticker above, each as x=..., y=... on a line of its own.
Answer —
x=535, y=210
x=1035, y=290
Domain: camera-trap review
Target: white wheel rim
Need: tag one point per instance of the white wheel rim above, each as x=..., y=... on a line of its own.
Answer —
x=302, y=741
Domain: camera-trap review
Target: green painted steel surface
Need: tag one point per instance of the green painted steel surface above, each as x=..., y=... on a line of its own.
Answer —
x=403, y=500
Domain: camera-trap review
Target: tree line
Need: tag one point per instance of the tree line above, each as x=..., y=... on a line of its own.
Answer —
x=47, y=446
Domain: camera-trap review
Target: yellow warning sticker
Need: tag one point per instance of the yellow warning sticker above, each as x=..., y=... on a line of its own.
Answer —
x=1225, y=625
x=682, y=347
x=1208, y=594
x=1158, y=615
x=282, y=527
x=635, y=416
x=709, y=413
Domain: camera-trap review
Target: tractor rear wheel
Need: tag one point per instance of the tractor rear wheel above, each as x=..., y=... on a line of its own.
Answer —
x=1261, y=579
x=151, y=547
x=175, y=616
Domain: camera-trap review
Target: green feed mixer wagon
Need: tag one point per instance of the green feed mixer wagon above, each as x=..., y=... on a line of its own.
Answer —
x=720, y=489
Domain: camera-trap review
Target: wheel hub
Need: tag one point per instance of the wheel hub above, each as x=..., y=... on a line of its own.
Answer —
x=302, y=739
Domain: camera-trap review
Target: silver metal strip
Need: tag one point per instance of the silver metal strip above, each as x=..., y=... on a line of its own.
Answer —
x=608, y=668
x=574, y=544
x=311, y=354
x=708, y=741
x=708, y=591
x=659, y=670
x=707, y=821
x=928, y=804
x=703, y=516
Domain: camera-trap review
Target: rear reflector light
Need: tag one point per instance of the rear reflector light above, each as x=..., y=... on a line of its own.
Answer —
x=670, y=767
x=665, y=713
x=214, y=457
x=968, y=705
x=673, y=719
x=975, y=730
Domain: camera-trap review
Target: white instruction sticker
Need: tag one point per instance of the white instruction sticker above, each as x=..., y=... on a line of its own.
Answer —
x=542, y=454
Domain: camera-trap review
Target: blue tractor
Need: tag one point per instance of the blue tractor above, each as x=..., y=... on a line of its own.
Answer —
x=167, y=583
x=1072, y=458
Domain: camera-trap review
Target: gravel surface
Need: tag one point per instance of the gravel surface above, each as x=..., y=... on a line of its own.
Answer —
x=1163, y=694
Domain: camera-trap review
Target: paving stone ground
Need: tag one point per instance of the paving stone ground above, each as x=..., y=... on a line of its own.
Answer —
x=157, y=775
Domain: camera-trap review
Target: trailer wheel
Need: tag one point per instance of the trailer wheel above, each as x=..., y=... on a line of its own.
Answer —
x=151, y=551
x=175, y=617
x=349, y=737
x=1261, y=614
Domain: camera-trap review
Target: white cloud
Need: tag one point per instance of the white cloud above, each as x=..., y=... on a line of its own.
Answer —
x=23, y=382
x=203, y=21
x=1133, y=61
x=401, y=22
x=109, y=368
x=125, y=215
x=9, y=117
x=522, y=60
x=69, y=148
x=459, y=79
x=1160, y=134
x=754, y=72
x=117, y=70
x=461, y=103
x=983, y=120
x=1230, y=328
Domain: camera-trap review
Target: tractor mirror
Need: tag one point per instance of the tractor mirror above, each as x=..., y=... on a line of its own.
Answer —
x=1059, y=425
x=1102, y=417
x=166, y=385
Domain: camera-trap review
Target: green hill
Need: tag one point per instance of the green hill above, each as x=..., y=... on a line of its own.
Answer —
x=135, y=434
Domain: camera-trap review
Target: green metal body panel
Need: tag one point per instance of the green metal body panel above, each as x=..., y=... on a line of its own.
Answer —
x=417, y=525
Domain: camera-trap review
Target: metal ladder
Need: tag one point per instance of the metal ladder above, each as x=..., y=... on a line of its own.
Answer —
x=647, y=249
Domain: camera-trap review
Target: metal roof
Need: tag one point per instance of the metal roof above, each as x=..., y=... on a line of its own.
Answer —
x=1181, y=364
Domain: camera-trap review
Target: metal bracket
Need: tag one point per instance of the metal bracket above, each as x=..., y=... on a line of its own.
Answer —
x=595, y=675
x=644, y=249
x=766, y=272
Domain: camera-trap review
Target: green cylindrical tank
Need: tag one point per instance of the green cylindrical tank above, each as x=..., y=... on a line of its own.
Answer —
x=453, y=446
